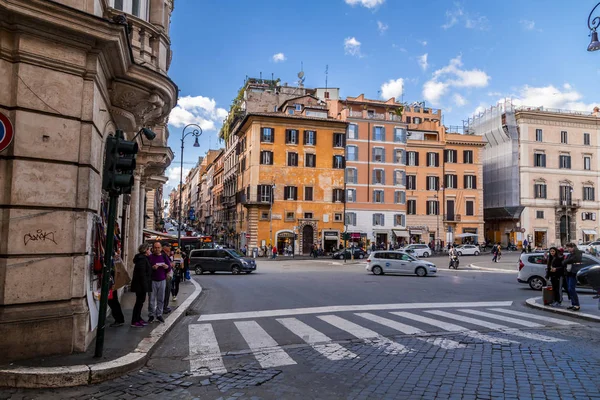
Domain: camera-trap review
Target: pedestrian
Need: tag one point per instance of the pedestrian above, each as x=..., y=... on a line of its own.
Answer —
x=315, y=251
x=141, y=283
x=525, y=243
x=168, y=282
x=496, y=251
x=178, y=274
x=571, y=264
x=161, y=265
x=113, y=297
x=245, y=249
x=555, y=273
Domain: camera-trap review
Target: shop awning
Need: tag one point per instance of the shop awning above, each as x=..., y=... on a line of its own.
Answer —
x=416, y=232
x=589, y=232
x=465, y=235
x=401, y=233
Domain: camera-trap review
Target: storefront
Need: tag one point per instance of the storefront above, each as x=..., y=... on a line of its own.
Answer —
x=418, y=234
x=400, y=235
x=468, y=236
x=331, y=241
x=540, y=238
x=358, y=239
x=589, y=235
x=381, y=237
x=285, y=239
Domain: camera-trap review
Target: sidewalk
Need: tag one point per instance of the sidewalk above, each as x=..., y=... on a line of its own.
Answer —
x=125, y=349
x=590, y=308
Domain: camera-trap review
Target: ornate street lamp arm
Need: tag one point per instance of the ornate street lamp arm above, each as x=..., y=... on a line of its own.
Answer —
x=593, y=24
x=196, y=132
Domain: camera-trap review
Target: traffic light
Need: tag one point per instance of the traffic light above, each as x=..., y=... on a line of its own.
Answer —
x=119, y=164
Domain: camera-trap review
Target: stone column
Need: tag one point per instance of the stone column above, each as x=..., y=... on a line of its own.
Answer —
x=134, y=205
x=141, y=213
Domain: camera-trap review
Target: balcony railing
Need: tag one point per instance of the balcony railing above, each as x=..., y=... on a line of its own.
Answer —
x=452, y=217
x=568, y=203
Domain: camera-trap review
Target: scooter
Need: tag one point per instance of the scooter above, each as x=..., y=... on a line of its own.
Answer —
x=453, y=262
x=511, y=247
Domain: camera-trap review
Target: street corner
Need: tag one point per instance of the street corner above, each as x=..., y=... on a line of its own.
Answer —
x=590, y=308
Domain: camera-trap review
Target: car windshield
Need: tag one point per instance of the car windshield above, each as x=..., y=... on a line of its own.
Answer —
x=235, y=253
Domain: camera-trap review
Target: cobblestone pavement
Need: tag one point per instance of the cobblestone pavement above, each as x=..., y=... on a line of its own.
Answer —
x=529, y=369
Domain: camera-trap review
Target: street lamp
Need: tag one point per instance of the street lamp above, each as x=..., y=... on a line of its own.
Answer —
x=196, y=132
x=271, y=214
x=593, y=24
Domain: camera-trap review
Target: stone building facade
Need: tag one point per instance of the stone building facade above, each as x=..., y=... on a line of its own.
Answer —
x=72, y=73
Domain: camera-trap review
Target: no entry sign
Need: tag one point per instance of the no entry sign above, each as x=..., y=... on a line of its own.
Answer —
x=7, y=133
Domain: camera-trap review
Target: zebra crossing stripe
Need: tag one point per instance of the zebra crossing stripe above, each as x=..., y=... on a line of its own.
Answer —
x=544, y=318
x=266, y=350
x=515, y=321
x=497, y=327
x=205, y=355
x=452, y=328
x=360, y=332
x=317, y=340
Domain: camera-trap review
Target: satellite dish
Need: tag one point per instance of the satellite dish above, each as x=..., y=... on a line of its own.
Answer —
x=301, y=74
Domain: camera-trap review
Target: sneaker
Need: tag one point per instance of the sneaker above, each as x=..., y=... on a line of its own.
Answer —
x=137, y=325
x=174, y=298
x=570, y=307
x=115, y=324
x=167, y=310
x=576, y=308
x=160, y=319
x=150, y=319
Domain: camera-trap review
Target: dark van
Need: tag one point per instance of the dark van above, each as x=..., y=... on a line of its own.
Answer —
x=220, y=260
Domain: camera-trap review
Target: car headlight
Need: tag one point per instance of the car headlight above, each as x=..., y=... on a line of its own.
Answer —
x=244, y=262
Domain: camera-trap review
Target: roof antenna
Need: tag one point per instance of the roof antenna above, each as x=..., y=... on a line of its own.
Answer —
x=326, y=75
x=261, y=75
x=301, y=75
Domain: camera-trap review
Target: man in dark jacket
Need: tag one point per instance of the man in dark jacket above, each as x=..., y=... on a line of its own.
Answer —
x=571, y=264
x=141, y=283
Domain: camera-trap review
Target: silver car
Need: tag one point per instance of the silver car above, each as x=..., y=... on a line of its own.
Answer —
x=398, y=262
x=532, y=268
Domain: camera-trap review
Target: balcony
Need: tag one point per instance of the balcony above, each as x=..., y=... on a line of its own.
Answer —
x=568, y=203
x=452, y=217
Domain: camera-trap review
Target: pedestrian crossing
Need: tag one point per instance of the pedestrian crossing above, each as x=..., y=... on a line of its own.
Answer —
x=268, y=342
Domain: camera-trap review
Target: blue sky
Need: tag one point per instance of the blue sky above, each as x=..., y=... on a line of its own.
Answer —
x=458, y=56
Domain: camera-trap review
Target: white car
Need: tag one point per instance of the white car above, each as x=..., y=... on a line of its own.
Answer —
x=384, y=262
x=468, y=250
x=419, y=250
x=532, y=268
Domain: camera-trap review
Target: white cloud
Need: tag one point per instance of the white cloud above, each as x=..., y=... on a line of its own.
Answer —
x=480, y=108
x=423, y=61
x=552, y=97
x=494, y=94
x=433, y=91
x=422, y=42
x=402, y=49
x=365, y=3
x=173, y=175
x=470, y=21
x=527, y=24
x=279, y=57
x=382, y=27
x=197, y=110
x=459, y=100
x=392, y=88
x=352, y=46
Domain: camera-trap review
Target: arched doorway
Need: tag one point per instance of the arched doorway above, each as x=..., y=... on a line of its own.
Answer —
x=565, y=233
x=307, y=238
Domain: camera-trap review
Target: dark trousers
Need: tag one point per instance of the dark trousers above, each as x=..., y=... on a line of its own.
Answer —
x=115, y=307
x=167, y=294
x=572, y=288
x=175, y=285
x=140, y=298
x=556, y=288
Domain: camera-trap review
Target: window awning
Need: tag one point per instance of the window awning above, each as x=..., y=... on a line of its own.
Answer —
x=589, y=232
x=400, y=233
x=416, y=232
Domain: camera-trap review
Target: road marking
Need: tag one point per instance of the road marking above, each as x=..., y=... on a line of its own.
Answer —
x=534, y=316
x=369, y=336
x=265, y=348
x=497, y=327
x=453, y=328
x=318, y=341
x=333, y=309
x=515, y=321
x=205, y=355
x=447, y=344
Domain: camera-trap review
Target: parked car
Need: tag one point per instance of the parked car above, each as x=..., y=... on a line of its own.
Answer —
x=419, y=250
x=358, y=253
x=468, y=250
x=594, y=244
x=384, y=262
x=532, y=268
x=220, y=260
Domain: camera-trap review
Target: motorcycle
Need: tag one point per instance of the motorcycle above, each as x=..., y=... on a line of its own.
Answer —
x=453, y=262
x=511, y=247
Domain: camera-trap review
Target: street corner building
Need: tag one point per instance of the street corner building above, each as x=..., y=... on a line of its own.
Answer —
x=73, y=72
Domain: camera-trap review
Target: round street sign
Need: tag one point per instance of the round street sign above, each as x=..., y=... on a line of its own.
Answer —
x=522, y=230
x=6, y=131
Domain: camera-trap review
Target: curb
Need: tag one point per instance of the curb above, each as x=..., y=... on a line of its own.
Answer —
x=77, y=375
x=532, y=302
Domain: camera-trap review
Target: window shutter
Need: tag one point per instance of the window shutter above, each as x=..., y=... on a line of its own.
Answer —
x=403, y=220
x=373, y=154
x=445, y=156
x=374, y=218
x=295, y=193
x=287, y=136
x=383, y=154
x=315, y=137
x=374, y=179
x=258, y=190
x=262, y=136
x=373, y=133
x=465, y=181
x=569, y=162
x=395, y=178
x=455, y=181
x=305, y=137
x=417, y=158
x=437, y=159
x=382, y=196
x=333, y=162
x=402, y=198
x=428, y=183
x=272, y=135
x=465, y=155
x=474, y=182
x=383, y=133
x=455, y=154
x=383, y=177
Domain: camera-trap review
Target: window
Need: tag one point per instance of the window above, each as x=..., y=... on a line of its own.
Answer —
x=265, y=193
x=290, y=216
x=266, y=157
x=433, y=160
x=539, y=190
x=411, y=182
x=338, y=195
x=433, y=207
x=352, y=131
x=379, y=133
x=308, y=215
x=118, y=4
x=563, y=137
x=400, y=135
x=292, y=159
x=433, y=183
x=267, y=135
x=337, y=217
x=378, y=177
x=399, y=178
x=264, y=215
x=310, y=138
x=351, y=195
x=243, y=164
x=352, y=153
x=291, y=111
x=450, y=156
x=339, y=140
x=539, y=160
x=378, y=154
x=539, y=214
x=371, y=113
x=378, y=220
x=470, y=182
x=469, y=208
x=588, y=193
x=468, y=156
x=588, y=216
x=587, y=163
x=412, y=158
x=351, y=218
x=339, y=162
x=310, y=160
x=565, y=194
x=412, y=207
x=399, y=197
x=451, y=181
x=399, y=156
x=291, y=136
x=378, y=196
x=408, y=120
x=298, y=107
x=308, y=193
x=399, y=220
x=351, y=175
x=134, y=7
x=290, y=193
x=564, y=161
x=586, y=139
x=538, y=135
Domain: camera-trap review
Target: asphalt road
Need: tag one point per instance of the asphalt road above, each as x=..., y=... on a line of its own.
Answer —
x=324, y=330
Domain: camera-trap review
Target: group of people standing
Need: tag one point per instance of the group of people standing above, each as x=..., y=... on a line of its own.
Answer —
x=561, y=268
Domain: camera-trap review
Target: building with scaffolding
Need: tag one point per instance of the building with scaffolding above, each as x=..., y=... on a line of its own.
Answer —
x=540, y=174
